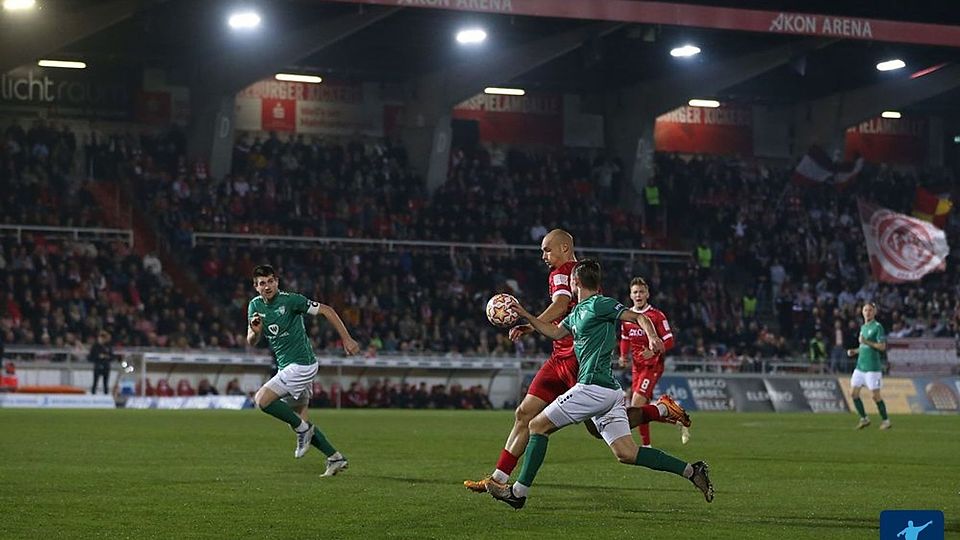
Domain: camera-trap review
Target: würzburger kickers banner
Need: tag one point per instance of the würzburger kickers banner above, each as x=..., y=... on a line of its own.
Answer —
x=901, y=248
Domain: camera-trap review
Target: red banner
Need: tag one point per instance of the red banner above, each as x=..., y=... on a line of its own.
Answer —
x=699, y=130
x=529, y=119
x=278, y=115
x=749, y=20
x=901, y=248
x=889, y=140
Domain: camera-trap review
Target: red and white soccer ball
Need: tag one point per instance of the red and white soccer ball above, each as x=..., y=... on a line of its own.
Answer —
x=501, y=312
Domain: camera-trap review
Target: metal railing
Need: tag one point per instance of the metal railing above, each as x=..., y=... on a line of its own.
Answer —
x=307, y=242
x=69, y=233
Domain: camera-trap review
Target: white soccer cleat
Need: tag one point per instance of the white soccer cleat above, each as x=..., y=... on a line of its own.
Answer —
x=885, y=424
x=684, y=434
x=335, y=465
x=864, y=422
x=303, y=442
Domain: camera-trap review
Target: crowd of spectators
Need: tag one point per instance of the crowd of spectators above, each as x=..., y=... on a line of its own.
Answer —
x=777, y=270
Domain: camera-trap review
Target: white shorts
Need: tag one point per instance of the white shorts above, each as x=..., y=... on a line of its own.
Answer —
x=604, y=405
x=294, y=383
x=870, y=379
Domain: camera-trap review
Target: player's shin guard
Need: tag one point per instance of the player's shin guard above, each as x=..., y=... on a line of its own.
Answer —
x=320, y=442
x=858, y=404
x=658, y=460
x=281, y=411
x=882, y=407
x=533, y=458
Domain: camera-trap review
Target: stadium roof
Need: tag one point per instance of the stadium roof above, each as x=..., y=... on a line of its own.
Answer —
x=179, y=35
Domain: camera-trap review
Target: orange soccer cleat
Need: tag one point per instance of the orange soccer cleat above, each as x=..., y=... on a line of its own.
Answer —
x=675, y=412
x=477, y=486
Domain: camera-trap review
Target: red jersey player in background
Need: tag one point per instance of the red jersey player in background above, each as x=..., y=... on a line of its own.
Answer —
x=647, y=365
x=556, y=375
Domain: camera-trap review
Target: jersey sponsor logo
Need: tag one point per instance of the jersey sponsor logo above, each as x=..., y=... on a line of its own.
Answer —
x=561, y=279
x=636, y=332
x=274, y=328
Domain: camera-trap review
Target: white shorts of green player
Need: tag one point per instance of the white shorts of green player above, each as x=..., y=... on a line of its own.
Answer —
x=294, y=384
x=605, y=406
x=873, y=380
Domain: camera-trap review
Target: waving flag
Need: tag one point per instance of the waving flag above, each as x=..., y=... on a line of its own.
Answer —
x=901, y=248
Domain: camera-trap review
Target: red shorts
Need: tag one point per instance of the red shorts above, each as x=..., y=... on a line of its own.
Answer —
x=556, y=376
x=645, y=377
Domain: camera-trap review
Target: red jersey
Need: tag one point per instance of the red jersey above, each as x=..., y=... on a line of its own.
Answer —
x=558, y=283
x=633, y=338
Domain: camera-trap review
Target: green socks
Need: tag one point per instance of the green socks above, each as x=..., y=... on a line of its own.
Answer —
x=658, y=460
x=320, y=442
x=858, y=403
x=533, y=458
x=281, y=411
x=882, y=407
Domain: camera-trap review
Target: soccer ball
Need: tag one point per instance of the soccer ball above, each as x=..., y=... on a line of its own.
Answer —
x=500, y=310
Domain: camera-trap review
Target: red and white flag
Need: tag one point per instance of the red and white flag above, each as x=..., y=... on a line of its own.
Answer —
x=901, y=248
x=816, y=167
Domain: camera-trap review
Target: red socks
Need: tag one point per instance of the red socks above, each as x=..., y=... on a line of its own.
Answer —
x=651, y=413
x=644, y=430
x=508, y=461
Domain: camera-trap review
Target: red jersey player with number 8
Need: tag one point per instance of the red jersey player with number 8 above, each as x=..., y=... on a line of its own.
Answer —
x=646, y=365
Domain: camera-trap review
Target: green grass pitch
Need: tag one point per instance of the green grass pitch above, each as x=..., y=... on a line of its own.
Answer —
x=229, y=474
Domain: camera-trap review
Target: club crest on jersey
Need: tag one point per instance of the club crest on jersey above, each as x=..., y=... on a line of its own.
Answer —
x=274, y=328
x=281, y=310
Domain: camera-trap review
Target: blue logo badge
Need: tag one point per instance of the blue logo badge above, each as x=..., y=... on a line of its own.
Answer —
x=911, y=525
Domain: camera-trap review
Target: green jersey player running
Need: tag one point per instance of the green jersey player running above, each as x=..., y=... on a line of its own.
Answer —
x=597, y=394
x=287, y=394
x=869, y=370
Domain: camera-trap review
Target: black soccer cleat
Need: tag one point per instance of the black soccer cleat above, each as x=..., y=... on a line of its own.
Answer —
x=701, y=479
x=504, y=492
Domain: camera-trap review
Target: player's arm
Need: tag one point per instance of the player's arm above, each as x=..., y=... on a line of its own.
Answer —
x=656, y=344
x=666, y=334
x=546, y=328
x=624, y=346
x=556, y=309
x=254, y=329
x=350, y=345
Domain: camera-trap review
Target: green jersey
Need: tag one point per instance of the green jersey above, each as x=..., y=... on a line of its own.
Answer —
x=283, y=327
x=868, y=358
x=593, y=324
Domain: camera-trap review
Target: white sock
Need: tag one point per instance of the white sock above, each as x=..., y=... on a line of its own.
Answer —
x=519, y=489
x=688, y=471
x=303, y=426
x=662, y=408
x=500, y=476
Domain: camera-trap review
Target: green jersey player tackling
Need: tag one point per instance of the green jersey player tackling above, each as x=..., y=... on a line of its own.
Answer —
x=597, y=395
x=287, y=394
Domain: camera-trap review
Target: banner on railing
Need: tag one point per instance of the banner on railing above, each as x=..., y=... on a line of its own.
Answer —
x=56, y=401
x=194, y=402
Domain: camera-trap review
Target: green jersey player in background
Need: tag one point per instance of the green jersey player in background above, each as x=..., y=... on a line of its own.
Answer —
x=593, y=322
x=869, y=370
x=279, y=315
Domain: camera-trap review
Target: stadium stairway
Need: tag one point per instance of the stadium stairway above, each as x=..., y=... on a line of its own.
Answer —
x=122, y=210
